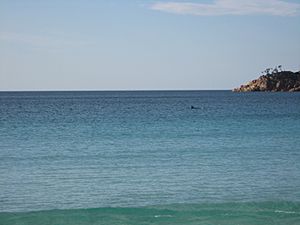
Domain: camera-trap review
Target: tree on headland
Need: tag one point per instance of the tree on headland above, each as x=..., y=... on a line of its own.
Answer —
x=267, y=71
x=275, y=70
x=271, y=71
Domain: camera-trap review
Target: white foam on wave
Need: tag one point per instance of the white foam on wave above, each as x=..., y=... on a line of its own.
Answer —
x=165, y=216
x=287, y=212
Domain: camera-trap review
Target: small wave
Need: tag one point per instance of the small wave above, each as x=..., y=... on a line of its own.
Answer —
x=163, y=216
x=286, y=212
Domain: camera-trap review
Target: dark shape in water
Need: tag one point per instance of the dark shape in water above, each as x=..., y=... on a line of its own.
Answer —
x=193, y=107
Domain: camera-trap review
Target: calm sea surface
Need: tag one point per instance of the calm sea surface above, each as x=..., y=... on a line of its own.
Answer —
x=150, y=157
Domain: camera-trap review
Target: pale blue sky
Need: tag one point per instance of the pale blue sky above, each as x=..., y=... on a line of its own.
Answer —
x=137, y=45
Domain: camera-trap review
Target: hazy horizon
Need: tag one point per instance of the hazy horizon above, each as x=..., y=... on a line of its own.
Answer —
x=144, y=45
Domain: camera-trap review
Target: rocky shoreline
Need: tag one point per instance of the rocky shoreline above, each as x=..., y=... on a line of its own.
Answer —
x=274, y=82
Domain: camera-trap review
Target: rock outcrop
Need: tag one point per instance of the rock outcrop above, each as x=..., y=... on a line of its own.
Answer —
x=279, y=81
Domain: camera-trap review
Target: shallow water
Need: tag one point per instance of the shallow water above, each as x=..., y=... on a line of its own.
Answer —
x=70, y=150
x=221, y=214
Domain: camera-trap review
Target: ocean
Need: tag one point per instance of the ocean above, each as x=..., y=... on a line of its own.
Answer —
x=148, y=157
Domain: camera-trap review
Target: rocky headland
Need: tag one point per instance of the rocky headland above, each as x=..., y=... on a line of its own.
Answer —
x=273, y=82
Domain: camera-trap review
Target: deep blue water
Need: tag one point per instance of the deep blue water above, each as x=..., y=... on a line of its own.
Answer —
x=74, y=150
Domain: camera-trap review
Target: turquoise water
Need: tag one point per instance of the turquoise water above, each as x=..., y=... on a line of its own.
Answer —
x=206, y=214
x=148, y=158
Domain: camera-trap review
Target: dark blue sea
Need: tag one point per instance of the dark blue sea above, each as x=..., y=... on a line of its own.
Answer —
x=147, y=157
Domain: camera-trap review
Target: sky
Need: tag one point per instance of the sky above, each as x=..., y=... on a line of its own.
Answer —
x=144, y=45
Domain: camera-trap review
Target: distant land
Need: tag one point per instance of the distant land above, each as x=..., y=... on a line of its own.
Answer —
x=273, y=80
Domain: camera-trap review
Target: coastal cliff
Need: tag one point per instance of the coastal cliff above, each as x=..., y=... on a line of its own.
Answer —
x=273, y=82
